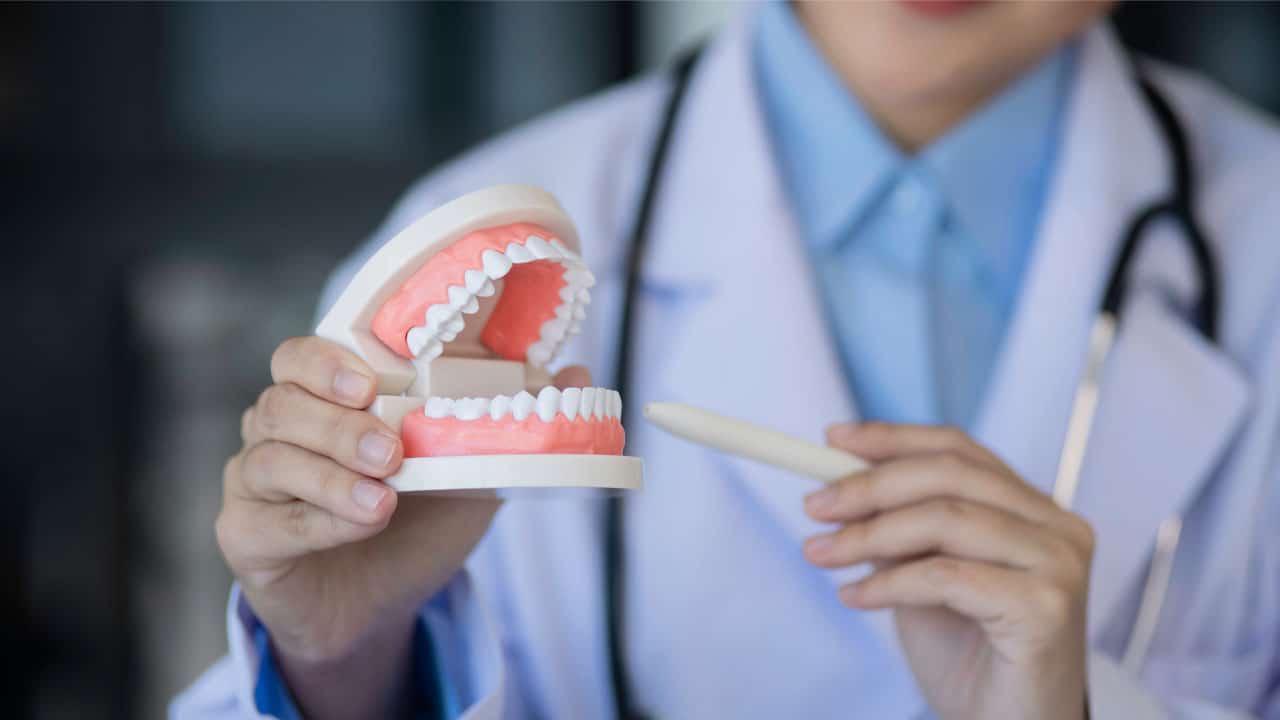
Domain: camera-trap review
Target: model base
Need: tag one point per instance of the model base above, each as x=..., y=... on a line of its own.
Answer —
x=501, y=474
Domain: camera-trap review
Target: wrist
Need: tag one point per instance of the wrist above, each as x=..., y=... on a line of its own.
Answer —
x=371, y=678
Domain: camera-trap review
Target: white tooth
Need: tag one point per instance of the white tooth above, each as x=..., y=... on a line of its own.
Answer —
x=584, y=296
x=474, y=280
x=447, y=335
x=564, y=310
x=617, y=403
x=417, y=339
x=486, y=289
x=548, y=403
x=459, y=298
x=565, y=251
x=496, y=265
x=588, y=404
x=580, y=278
x=438, y=407
x=554, y=328
x=579, y=312
x=518, y=253
x=469, y=408
x=568, y=293
x=471, y=306
x=501, y=405
x=602, y=399
x=569, y=402
x=538, y=247
x=440, y=314
x=431, y=351
x=538, y=354
x=455, y=325
x=575, y=327
x=521, y=405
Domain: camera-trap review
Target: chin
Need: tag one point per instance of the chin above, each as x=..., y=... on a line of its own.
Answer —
x=919, y=49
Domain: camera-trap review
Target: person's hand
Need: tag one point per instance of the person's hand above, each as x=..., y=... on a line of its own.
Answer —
x=987, y=576
x=332, y=561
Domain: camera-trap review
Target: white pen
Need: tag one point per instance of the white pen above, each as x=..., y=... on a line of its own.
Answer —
x=752, y=441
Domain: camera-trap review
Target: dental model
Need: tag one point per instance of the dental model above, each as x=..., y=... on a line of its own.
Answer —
x=459, y=316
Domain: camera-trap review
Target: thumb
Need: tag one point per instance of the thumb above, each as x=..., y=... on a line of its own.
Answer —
x=572, y=376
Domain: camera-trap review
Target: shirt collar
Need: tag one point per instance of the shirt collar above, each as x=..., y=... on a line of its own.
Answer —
x=993, y=168
x=837, y=164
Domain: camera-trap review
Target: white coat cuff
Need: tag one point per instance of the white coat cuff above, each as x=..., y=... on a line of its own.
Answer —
x=245, y=661
x=468, y=654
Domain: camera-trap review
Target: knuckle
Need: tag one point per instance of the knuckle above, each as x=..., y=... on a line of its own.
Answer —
x=877, y=430
x=332, y=481
x=297, y=520
x=1051, y=604
x=1067, y=560
x=953, y=436
x=224, y=533
x=1088, y=536
x=952, y=463
x=267, y=458
x=951, y=510
x=285, y=357
x=230, y=471
x=942, y=573
x=266, y=411
x=274, y=406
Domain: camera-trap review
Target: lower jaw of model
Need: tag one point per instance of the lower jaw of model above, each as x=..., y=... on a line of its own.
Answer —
x=480, y=320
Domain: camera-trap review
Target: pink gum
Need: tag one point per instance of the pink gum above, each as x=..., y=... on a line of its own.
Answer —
x=439, y=437
x=430, y=286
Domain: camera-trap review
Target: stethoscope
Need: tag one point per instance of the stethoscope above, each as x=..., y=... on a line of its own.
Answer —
x=1178, y=206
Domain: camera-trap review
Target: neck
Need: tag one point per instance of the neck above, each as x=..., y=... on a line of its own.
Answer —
x=913, y=106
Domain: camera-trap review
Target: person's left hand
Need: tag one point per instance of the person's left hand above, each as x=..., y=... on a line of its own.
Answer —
x=986, y=575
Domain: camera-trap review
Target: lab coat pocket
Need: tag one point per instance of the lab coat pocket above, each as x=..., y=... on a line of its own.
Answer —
x=1235, y=682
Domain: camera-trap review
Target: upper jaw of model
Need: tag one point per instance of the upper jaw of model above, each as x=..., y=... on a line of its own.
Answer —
x=462, y=312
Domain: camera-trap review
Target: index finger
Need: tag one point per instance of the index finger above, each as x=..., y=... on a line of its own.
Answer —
x=324, y=369
x=880, y=441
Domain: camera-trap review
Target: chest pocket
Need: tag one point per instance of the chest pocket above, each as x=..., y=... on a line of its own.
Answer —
x=1240, y=683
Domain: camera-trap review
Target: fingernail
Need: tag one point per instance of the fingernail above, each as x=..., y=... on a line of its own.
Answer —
x=375, y=449
x=821, y=500
x=819, y=545
x=368, y=494
x=351, y=385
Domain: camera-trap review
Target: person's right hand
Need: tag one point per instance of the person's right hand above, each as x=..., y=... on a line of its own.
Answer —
x=307, y=527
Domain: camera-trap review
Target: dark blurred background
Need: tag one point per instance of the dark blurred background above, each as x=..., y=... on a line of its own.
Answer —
x=175, y=183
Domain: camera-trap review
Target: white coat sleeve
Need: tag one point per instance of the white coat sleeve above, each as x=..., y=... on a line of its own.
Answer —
x=1116, y=693
x=467, y=650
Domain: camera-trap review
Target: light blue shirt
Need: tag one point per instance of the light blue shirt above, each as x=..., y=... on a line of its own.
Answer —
x=919, y=257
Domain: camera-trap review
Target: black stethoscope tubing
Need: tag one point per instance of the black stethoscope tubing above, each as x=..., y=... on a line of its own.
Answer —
x=1179, y=206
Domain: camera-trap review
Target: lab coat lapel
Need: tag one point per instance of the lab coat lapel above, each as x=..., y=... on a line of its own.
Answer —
x=754, y=344
x=1169, y=401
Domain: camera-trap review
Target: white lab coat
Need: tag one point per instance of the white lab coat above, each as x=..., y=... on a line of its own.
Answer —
x=725, y=617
